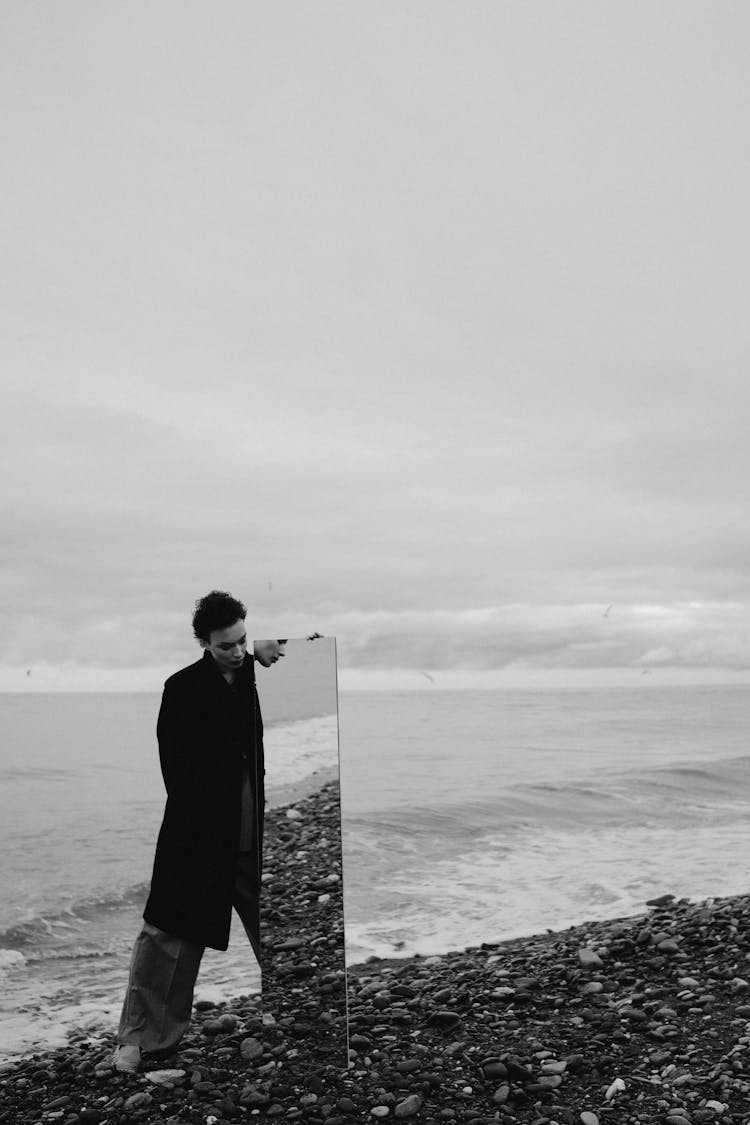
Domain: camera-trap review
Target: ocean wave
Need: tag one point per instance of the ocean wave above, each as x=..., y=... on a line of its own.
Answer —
x=445, y=900
x=38, y=929
x=35, y=773
x=68, y=955
x=722, y=771
x=680, y=792
x=512, y=810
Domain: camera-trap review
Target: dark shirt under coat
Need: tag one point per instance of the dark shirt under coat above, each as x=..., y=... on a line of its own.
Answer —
x=207, y=731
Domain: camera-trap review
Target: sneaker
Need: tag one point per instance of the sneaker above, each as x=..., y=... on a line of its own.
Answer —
x=127, y=1059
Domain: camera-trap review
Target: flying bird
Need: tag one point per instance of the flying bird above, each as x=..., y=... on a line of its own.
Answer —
x=428, y=676
x=606, y=612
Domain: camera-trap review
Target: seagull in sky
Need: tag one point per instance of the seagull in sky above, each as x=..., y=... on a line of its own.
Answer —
x=606, y=612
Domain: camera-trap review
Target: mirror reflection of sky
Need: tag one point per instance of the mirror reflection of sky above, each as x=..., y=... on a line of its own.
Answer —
x=422, y=328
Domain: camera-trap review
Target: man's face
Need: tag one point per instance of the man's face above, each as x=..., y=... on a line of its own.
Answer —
x=228, y=646
x=268, y=652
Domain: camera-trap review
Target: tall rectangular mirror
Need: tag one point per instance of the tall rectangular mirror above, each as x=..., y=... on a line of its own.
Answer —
x=302, y=919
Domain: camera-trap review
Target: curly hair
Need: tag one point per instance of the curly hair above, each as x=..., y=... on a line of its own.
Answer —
x=216, y=610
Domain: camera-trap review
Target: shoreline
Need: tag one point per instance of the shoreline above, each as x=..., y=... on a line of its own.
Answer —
x=643, y=1019
x=512, y=940
x=293, y=792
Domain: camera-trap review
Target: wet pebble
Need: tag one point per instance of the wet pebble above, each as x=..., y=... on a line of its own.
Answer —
x=251, y=1049
x=409, y=1106
x=501, y=1094
x=138, y=1101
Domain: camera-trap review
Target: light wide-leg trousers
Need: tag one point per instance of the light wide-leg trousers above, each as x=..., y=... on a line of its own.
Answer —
x=164, y=968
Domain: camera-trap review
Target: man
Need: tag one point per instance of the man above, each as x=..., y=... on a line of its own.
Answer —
x=209, y=851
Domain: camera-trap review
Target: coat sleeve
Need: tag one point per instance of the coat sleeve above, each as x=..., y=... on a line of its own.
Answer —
x=168, y=733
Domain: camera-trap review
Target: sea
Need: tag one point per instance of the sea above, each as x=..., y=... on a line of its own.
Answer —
x=467, y=816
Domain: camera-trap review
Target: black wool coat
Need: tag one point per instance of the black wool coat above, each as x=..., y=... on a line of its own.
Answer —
x=204, y=728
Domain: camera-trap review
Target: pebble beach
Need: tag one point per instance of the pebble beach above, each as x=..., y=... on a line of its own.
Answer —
x=642, y=1019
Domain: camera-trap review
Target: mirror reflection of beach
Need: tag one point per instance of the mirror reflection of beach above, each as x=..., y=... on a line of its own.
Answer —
x=471, y=816
x=302, y=919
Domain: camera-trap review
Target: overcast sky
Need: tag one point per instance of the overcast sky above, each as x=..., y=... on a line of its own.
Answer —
x=421, y=324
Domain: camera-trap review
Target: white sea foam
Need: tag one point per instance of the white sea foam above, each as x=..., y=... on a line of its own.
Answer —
x=10, y=960
x=44, y=1027
x=549, y=880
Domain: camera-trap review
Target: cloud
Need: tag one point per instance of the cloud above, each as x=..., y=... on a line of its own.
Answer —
x=551, y=636
x=138, y=650
x=421, y=330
